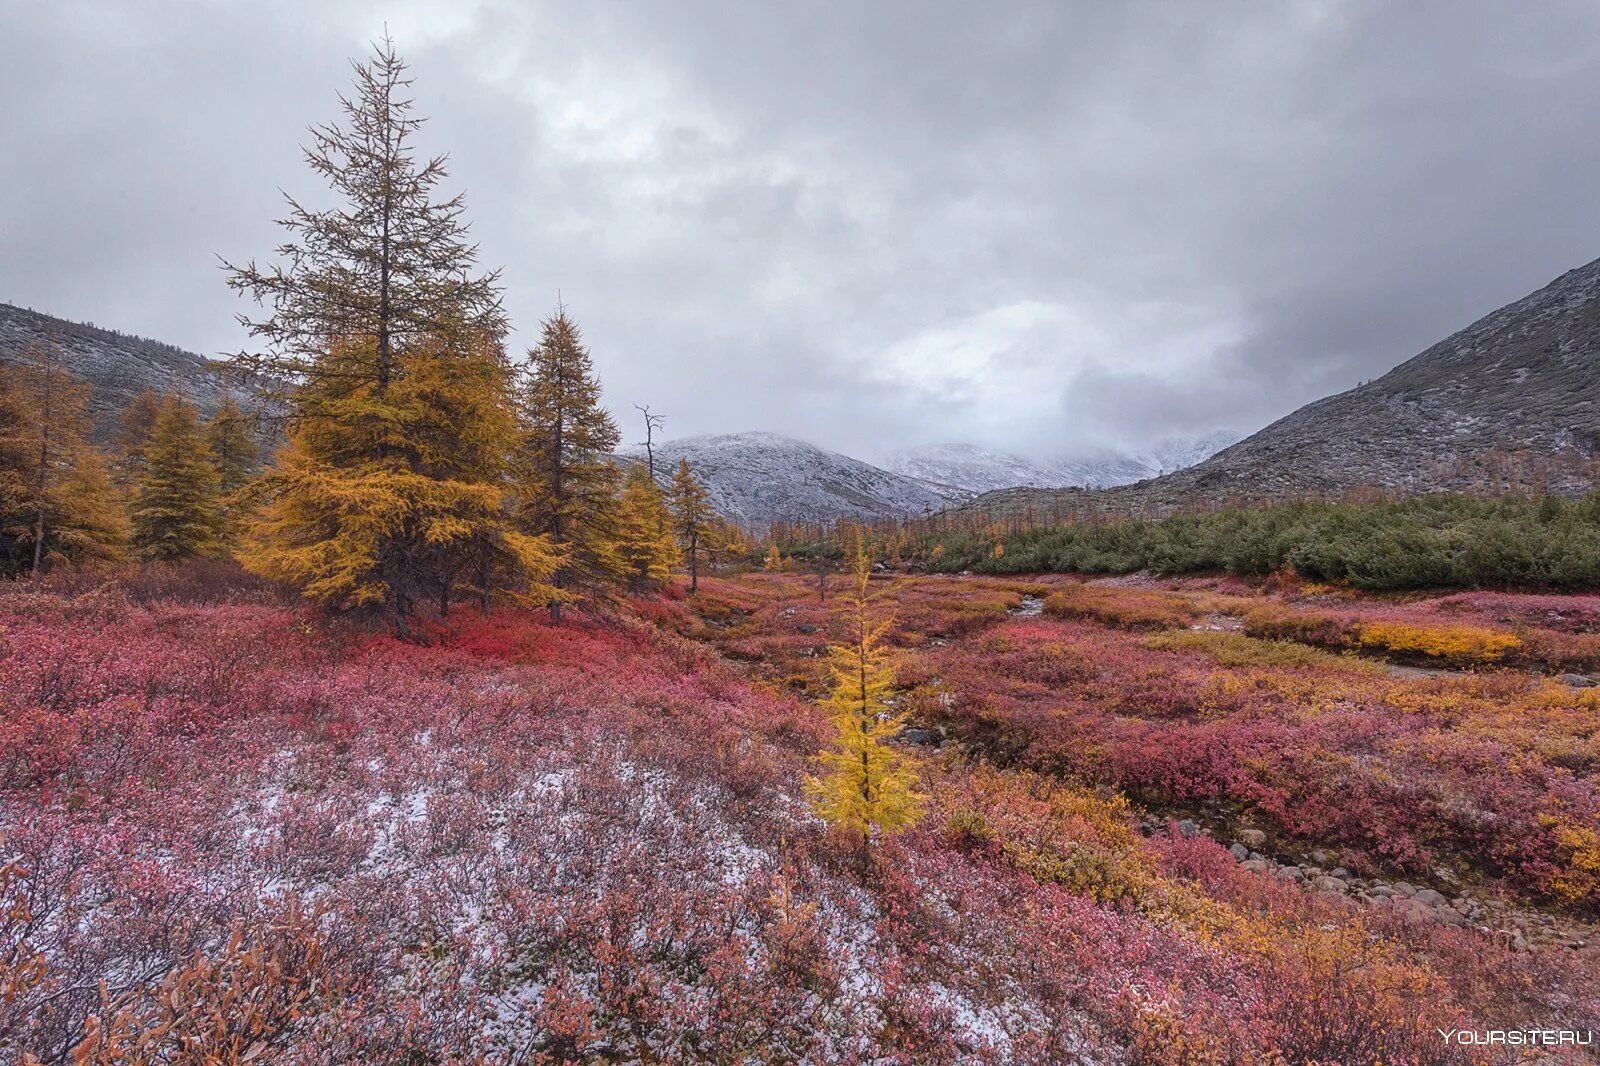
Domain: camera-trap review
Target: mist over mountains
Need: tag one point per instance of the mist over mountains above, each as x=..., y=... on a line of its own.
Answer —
x=975, y=469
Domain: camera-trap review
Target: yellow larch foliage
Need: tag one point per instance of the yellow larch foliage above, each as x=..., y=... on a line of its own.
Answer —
x=867, y=785
x=645, y=541
x=387, y=498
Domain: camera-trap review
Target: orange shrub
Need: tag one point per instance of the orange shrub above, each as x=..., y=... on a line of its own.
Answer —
x=1121, y=607
x=1275, y=622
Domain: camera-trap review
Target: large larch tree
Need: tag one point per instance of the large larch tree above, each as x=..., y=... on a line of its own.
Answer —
x=383, y=346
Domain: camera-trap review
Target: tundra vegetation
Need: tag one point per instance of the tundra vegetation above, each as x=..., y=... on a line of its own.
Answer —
x=441, y=737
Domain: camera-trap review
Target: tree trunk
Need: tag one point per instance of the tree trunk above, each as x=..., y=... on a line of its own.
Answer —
x=44, y=468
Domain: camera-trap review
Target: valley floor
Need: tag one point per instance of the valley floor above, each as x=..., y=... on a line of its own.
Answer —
x=234, y=829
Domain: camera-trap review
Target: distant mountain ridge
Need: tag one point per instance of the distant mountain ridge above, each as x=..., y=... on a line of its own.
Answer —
x=117, y=365
x=966, y=466
x=757, y=479
x=1514, y=398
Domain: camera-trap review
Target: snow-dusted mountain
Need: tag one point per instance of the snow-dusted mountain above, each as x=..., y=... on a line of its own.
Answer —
x=757, y=479
x=966, y=466
x=970, y=467
x=1180, y=453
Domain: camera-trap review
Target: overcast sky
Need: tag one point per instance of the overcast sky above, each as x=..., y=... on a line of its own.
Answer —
x=1033, y=226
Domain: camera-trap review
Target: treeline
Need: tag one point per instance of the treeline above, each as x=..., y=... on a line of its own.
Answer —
x=421, y=463
x=1443, y=540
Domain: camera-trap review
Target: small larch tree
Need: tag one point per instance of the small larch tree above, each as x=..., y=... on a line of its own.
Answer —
x=176, y=509
x=692, y=518
x=234, y=450
x=644, y=534
x=137, y=422
x=866, y=785
x=569, y=481
x=236, y=455
x=60, y=504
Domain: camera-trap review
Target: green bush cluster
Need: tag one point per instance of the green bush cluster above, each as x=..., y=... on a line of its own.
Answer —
x=1427, y=542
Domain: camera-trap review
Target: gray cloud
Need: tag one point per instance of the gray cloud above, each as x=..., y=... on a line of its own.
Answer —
x=1031, y=225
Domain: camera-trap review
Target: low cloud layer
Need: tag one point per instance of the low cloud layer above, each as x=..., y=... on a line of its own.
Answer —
x=1034, y=226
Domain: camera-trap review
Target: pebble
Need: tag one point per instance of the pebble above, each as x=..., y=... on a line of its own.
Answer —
x=1252, y=838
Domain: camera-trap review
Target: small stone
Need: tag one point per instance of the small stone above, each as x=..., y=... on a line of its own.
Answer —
x=1258, y=855
x=915, y=735
x=1431, y=898
x=1329, y=884
x=1381, y=891
x=1239, y=851
x=1340, y=871
x=1321, y=857
x=1188, y=829
x=1259, y=866
x=1252, y=838
x=1290, y=873
x=1577, y=680
x=1405, y=888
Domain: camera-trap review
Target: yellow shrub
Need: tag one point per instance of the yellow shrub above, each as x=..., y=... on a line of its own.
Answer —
x=1238, y=650
x=1580, y=881
x=1467, y=645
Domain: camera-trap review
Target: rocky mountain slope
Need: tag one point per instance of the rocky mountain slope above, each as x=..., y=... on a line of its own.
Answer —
x=757, y=479
x=975, y=469
x=1511, y=401
x=116, y=365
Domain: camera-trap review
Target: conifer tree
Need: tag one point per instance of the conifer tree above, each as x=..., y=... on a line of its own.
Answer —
x=692, y=517
x=410, y=505
x=644, y=535
x=392, y=489
x=138, y=420
x=867, y=784
x=389, y=265
x=774, y=561
x=236, y=455
x=60, y=503
x=17, y=454
x=233, y=450
x=569, y=482
x=176, y=508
